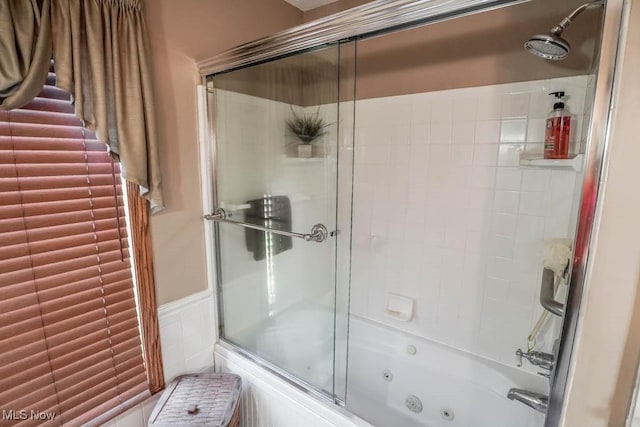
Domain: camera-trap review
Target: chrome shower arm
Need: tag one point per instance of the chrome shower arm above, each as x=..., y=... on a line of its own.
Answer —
x=558, y=29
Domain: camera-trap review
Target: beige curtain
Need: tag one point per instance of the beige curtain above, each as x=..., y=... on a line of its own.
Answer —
x=25, y=50
x=101, y=57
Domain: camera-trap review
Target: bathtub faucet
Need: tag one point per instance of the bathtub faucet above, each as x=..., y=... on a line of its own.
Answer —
x=534, y=400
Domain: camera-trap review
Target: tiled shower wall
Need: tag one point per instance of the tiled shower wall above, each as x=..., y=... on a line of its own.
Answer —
x=445, y=215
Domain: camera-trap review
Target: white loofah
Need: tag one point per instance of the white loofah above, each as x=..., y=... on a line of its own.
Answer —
x=556, y=254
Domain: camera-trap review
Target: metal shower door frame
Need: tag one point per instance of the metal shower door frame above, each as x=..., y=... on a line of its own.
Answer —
x=596, y=154
x=372, y=18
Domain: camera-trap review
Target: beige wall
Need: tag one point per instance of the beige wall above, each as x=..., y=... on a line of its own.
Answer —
x=182, y=32
x=306, y=79
x=607, y=346
x=478, y=50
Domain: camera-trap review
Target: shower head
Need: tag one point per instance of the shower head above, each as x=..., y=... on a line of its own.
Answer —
x=548, y=46
x=552, y=45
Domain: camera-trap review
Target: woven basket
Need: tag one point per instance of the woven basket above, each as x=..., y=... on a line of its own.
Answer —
x=211, y=400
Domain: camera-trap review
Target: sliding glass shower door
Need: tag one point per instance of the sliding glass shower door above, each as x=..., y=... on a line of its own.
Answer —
x=280, y=128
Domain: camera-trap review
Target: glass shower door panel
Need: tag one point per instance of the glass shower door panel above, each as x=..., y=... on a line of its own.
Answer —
x=277, y=294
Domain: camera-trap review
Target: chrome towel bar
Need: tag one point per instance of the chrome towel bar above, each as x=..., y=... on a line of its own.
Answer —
x=318, y=232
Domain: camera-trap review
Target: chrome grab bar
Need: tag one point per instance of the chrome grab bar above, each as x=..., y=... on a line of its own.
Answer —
x=547, y=295
x=318, y=232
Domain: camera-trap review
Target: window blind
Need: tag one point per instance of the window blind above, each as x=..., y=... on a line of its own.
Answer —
x=69, y=336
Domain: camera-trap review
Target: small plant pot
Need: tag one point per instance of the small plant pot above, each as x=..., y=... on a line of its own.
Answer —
x=305, y=150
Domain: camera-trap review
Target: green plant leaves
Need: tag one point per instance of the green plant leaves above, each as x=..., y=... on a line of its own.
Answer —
x=307, y=127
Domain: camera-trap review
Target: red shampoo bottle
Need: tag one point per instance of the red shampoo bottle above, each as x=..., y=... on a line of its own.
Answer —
x=558, y=130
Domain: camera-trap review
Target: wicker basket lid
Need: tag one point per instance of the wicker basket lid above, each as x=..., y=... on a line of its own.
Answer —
x=205, y=399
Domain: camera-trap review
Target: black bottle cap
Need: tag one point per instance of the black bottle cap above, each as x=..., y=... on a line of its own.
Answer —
x=558, y=106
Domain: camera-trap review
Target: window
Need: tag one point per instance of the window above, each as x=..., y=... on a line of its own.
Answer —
x=69, y=338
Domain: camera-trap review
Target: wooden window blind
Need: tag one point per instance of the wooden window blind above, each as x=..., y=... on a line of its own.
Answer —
x=69, y=334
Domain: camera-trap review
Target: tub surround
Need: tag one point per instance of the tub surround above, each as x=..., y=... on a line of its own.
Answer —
x=448, y=217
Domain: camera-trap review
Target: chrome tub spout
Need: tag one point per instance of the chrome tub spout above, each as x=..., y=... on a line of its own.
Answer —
x=534, y=400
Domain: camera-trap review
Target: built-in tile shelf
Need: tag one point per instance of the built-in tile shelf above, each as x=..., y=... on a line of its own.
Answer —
x=536, y=160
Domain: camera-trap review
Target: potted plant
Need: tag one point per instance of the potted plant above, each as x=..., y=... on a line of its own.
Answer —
x=306, y=128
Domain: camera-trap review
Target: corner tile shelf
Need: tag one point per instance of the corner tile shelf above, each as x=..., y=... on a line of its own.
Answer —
x=536, y=160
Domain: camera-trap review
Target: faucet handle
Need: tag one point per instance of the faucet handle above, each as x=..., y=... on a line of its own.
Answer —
x=536, y=358
x=519, y=355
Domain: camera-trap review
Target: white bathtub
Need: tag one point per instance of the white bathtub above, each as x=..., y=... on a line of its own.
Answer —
x=298, y=340
x=471, y=388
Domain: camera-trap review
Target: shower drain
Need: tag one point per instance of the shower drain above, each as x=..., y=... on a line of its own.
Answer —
x=413, y=403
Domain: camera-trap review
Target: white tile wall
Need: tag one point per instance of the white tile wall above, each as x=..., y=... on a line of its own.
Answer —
x=187, y=335
x=446, y=215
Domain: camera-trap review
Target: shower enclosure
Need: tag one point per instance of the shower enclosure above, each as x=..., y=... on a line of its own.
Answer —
x=381, y=212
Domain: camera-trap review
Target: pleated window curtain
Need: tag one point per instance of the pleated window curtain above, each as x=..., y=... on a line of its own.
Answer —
x=70, y=343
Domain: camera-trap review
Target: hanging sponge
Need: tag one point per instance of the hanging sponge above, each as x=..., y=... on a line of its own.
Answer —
x=556, y=254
